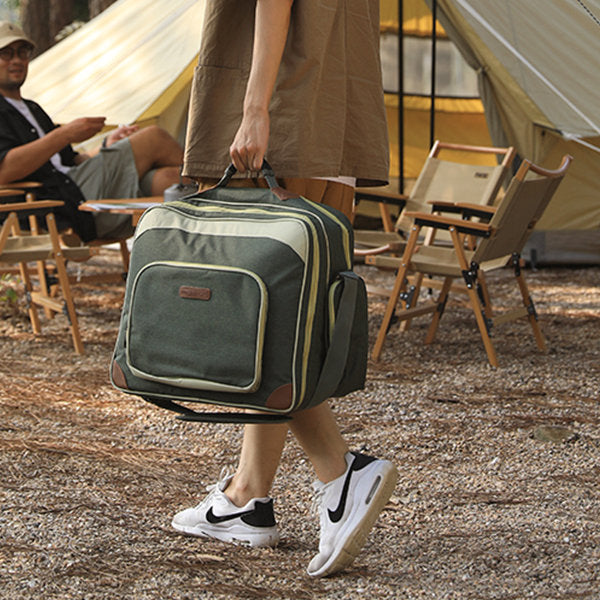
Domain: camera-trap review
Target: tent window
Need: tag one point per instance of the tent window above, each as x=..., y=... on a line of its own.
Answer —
x=454, y=76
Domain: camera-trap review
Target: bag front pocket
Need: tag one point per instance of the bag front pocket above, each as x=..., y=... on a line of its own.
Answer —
x=197, y=326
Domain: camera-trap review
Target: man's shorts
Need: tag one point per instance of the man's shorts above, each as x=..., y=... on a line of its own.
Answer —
x=110, y=174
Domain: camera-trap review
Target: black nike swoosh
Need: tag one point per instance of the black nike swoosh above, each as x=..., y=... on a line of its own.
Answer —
x=212, y=518
x=360, y=461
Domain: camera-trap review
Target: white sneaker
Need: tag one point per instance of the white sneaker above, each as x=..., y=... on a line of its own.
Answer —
x=348, y=507
x=217, y=517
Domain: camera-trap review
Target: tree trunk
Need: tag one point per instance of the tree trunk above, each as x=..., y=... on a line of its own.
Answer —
x=97, y=6
x=62, y=12
x=43, y=19
x=35, y=15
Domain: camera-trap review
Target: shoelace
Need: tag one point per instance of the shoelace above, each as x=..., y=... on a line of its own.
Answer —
x=215, y=487
x=316, y=506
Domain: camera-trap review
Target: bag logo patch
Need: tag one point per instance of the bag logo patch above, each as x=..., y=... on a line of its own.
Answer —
x=194, y=293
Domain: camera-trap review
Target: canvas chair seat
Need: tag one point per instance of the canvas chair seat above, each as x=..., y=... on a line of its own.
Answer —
x=27, y=248
x=500, y=242
x=450, y=174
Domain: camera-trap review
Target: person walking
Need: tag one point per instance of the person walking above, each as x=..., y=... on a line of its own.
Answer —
x=301, y=81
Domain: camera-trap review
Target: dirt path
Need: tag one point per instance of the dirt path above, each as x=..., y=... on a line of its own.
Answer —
x=485, y=508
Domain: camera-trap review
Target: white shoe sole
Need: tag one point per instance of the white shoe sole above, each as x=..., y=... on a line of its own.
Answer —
x=253, y=540
x=353, y=543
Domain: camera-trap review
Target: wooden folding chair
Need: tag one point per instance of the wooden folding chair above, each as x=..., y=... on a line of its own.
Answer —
x=20, y=248
x=501, y=241
x=451, y=174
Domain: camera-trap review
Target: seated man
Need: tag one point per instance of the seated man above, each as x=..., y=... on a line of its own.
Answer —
x=32, y=147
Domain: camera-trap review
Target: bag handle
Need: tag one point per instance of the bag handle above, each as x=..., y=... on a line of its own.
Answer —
x=266, y=171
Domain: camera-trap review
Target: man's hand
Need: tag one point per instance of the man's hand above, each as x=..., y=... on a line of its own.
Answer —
x=82, y=129
x=122, y=131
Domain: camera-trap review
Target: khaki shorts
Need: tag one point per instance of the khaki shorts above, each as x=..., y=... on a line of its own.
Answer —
x=110, y=174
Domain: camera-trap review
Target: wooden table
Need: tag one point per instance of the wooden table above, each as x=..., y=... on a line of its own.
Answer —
x=123, y=206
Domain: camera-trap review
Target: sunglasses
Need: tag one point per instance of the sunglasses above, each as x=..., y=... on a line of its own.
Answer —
x=23, y=52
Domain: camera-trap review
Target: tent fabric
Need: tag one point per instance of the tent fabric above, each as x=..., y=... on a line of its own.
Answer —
x=536, y=63
x=126, y=64
x=544, y=46
x=538, y=76
x=457, y=120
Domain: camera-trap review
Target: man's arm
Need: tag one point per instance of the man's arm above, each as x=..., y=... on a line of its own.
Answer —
x=270, y=33
x=21, y=161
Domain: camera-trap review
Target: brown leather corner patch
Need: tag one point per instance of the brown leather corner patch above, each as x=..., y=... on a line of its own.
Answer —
x=118, y=376
x=194, y=293
x=280, y=397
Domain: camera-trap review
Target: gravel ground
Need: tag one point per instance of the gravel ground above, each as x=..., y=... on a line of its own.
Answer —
x=498, y=494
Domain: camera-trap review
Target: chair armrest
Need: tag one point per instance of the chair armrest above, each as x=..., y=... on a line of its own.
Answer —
x=391, y=247
x=8, y=192
x=441, y=222
x=383, y=196
x=22, y=185
x=466, y=209
x=30, y=206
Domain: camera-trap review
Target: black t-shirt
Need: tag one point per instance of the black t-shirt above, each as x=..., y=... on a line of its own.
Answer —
x=16, y=130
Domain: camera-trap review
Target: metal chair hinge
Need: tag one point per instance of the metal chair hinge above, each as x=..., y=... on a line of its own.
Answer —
x=65, y=311
x=531, y=309
x=407, y=296
x=441, y=306
x=489, y=323
x=516, y=263
x=470, y=276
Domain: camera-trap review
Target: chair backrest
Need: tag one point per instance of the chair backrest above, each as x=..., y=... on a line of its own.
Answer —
x=445, y=180
x=526, y=198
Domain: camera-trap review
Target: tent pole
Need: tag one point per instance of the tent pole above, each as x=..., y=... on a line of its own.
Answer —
x=433, y=65
x=400, y=96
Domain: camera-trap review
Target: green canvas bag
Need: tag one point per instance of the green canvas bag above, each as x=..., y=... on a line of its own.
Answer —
x=242, y=298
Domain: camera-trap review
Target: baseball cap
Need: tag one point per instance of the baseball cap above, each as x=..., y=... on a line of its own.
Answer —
x=10, y=33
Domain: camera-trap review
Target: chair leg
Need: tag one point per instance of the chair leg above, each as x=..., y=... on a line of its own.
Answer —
x=437, y=315
x=528, y=303
x=40, y=265
x=470, y=273
x=43, y=284
x=417, y=284
x=124, y=255
x=482, y=324
x=12, y=224
x=485, y=295
x=32, y=310
x=64, y=284
x=399, y=285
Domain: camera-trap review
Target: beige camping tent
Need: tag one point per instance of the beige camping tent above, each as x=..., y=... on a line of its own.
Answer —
x=539, y=79
x=537, y=65
x=459, y=117
x=132, y=64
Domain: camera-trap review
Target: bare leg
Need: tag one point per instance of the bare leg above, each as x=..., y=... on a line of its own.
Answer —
x=164, y=177
x=153, y=147
x=317, y=433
